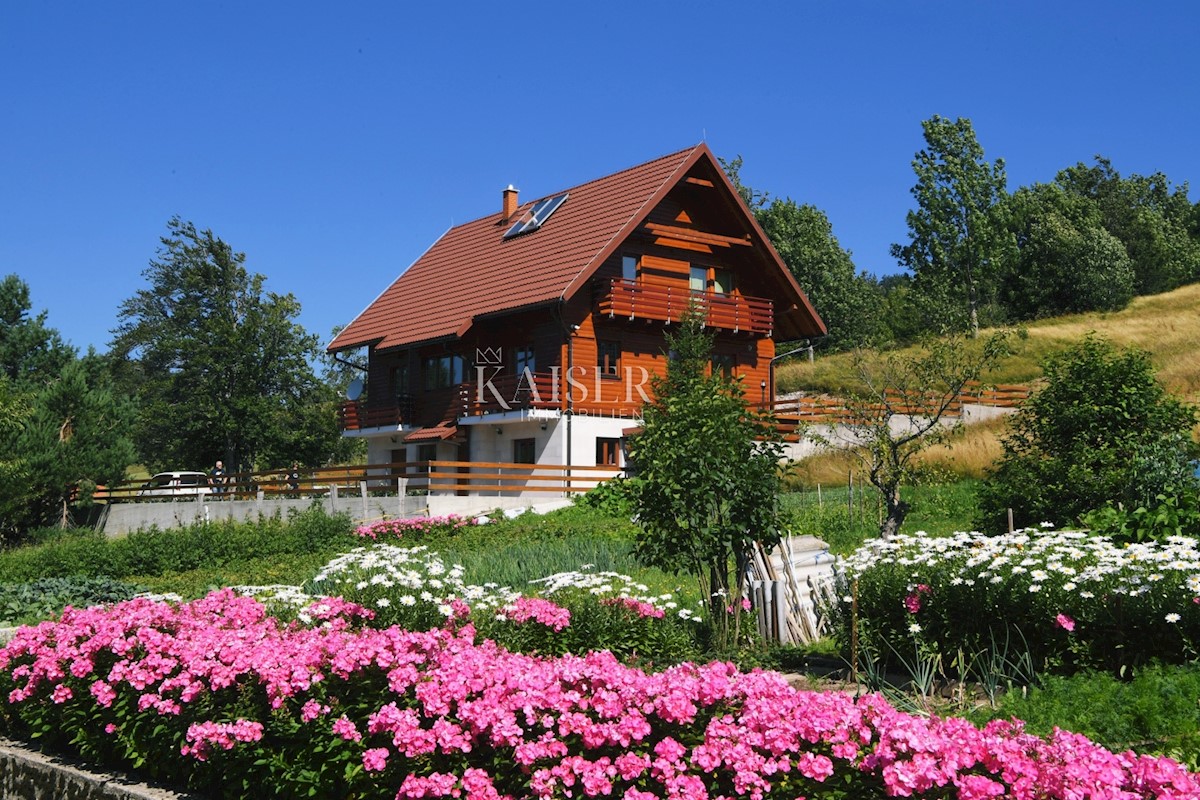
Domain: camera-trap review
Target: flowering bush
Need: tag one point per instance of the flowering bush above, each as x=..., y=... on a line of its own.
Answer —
x=407, y=586
x=223, y=698
x=414, y=589
x=1070, y=599
x=414, y=527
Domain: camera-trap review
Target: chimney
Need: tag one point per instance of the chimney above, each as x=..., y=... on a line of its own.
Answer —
x=510, y=203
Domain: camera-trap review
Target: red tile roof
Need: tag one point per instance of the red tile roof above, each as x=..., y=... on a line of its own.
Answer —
x=473, y=270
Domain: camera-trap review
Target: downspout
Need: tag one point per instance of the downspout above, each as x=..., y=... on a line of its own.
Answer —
x=570, y=400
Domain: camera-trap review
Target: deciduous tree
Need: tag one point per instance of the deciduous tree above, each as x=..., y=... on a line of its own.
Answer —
x=709, y=472
x=903, y=406
x=955, y=242
x=220, y=366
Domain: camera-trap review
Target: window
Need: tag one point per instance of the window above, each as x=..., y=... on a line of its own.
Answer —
x=442, y=371
x=629, y=268
x=724, y=363
x=722, y=281
x=400, y=377
x=524, y=451
x=703, y=279
x=523, y=359
x=537, y=216
x=427, y=452
x=607, y=452
x=608, y=358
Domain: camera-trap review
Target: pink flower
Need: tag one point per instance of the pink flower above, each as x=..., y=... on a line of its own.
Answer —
x=375, y=759
x=346, y=729
x=1065, y=622
x=543, y=611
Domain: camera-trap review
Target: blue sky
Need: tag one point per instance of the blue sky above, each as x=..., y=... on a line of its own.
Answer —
x=333, y=142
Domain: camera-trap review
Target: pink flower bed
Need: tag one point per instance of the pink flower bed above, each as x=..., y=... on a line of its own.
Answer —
x=439, y=715
x=412, y=527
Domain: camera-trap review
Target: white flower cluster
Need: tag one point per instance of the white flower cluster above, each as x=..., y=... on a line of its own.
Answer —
x=609, y=584
x=410, y=574
x=1067, y=560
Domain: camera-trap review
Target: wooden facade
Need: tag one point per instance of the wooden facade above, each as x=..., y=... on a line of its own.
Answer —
x=530, y=329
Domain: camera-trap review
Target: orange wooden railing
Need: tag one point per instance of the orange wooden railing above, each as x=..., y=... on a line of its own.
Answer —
x=507, y=393
x=471, y=477
x=633, y=299
x=831, y=410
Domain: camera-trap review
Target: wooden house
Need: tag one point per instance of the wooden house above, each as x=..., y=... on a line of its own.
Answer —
x=528, y=335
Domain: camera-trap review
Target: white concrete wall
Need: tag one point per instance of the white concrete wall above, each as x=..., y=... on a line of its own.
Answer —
x=122, y=518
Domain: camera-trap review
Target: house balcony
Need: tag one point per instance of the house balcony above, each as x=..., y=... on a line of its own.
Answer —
x=357, y=415
x=635, y=300
x=507, y=392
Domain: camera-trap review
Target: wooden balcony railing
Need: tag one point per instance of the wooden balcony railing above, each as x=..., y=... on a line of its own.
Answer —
x=635, y=300
x=507, y=392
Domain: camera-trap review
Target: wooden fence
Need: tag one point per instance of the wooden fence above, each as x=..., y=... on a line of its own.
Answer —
x=831, y=410
x=459, y=477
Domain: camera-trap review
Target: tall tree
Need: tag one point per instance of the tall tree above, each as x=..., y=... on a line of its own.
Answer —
x=955, y=241
x=1066, y=261
x=709, y=482
x=78, y=433
x=1151, y=218
x=850, y=304
x=220, y=366
x=30, y=352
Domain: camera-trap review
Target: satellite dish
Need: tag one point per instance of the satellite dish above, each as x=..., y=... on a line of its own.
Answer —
x=355, y=389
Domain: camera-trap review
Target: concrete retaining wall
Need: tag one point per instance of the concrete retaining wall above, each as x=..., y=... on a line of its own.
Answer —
x=27, y=774
x=122, y=518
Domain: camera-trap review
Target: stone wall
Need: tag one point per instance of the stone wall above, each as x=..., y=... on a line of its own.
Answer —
x=27, y=774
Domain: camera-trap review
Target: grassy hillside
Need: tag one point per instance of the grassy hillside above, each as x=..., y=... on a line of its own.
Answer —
x=1167, y=326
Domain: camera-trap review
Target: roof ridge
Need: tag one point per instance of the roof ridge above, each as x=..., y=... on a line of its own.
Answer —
x=569, y=189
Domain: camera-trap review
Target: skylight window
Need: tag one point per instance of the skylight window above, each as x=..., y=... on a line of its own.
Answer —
x=537, y=216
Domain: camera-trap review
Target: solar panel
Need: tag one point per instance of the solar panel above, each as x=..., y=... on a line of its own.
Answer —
x=537, y=216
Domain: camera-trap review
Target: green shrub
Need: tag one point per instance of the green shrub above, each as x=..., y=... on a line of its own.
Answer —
x=156, y=552
x=1174, y=513
x=1156, y=712
x=1101, y=431
x=613, y=498
x=27, y=603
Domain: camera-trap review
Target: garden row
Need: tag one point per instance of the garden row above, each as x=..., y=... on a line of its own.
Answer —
x=222, y=696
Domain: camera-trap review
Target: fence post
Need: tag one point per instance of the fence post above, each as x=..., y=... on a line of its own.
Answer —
x=401, y=491
x=333, y=498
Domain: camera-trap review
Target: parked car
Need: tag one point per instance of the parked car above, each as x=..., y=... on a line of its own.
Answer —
x=176, y=484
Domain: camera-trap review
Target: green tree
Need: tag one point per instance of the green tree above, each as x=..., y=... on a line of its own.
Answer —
x=1152, y=219
x=903, y=408
x=30, y=352
x=850, y=304
x=709, y=474
x=1101, y=430
x=1066, y=262
x=956, y=244
x=79, y=432
x=220, y=366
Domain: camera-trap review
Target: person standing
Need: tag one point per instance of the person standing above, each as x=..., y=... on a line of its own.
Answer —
x=293, y=477
x=218, y=478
